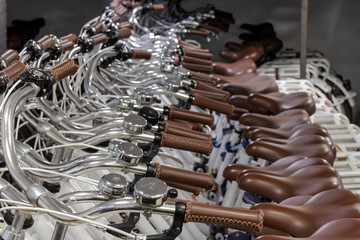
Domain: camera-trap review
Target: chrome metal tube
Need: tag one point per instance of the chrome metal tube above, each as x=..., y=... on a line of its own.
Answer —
x=83, y=196
x=44, y=56
x=123, y=205
x=18, y=223
x=8, y=191
x=59, y=231
x=7, y=128
x=93, y=64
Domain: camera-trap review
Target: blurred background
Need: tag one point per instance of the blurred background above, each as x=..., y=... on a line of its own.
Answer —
x=333, y=25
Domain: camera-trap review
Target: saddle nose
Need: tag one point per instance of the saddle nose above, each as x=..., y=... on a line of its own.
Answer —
x=309, y=180
x=282, y=167
x=259, y=84
x=302, y=216
x=285, y=120
x=236, y=68
x=309, y=146
x=277, y=104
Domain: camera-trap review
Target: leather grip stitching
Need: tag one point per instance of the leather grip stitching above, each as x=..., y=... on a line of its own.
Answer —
x=257, y=227
x=172, y=138
x=157, y=170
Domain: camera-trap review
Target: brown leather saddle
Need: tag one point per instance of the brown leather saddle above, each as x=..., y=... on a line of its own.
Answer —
x=308, y=180
x=282, y=167
x=285, y=120
x=259, y=84
x=237, y=78
x=302, y=216
x=277, y=104
x=308, y=145
x=341, y=229
x=236, y=68
x=249, y=51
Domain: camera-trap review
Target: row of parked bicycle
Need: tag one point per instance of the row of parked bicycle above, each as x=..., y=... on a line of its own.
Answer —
x=129, y=129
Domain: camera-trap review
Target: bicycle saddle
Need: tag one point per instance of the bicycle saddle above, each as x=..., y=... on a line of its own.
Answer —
x=236, y=68
x=245, y=52
x=277, y=104
x=259, y=84
x=344, y=229
x=242, y=102
x=305, y=129
x=271, y=43
x=237, y=113
x=285, y=120
x=255, y=132
x=237, y=78
x=308, y=180
x=281, y=167
x=309, y=146
x=309, y=213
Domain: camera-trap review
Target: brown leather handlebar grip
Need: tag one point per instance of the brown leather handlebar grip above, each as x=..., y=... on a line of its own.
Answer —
x=194, y=190
x=10, y=56
x=210, y=28
x=66, y=45
x=182, y=114
x=100, y=38
x=221, y=97
x=197, y=61
x=205, y=87
x=13, y=71
x=98, y=26
x=46, y=42
x=214, y=105
x=193, y=125
x=124, y=33
x=72, y=36
x=116, y=19
x=204, y=78
x=187, y=44
x=64, y=69
x=141, y=54
x=120, y=10
x=197, y=54
x=198, y=67
x=199, y=50
x=158, y=7
x=198, y=32
x=177, y=124
x=184, y=143
x=132, y=4
x=129, y=25
x=238, y=112
x=186, y=132
x=236, y=218
x=182, y=176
